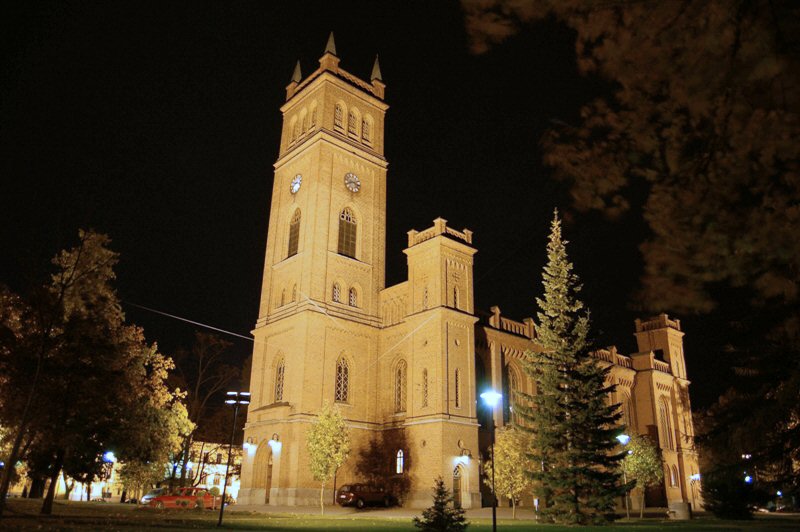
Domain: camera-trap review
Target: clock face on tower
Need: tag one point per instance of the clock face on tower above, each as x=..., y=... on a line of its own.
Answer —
x=352, y=182
x=295, y=186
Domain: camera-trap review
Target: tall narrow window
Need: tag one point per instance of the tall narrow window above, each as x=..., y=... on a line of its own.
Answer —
x=338, y=116
x=365, y=132
x=313, y=118
x=673, y=477
x=398, y=465
x=457, y=388
x=283, y=297
x=455, y=297
x=294, y=293
x=280, y=371
x=337, y=293
x=510, y=386
x=400, y=387
x=352, y=297
x=665, y=425
x=424, y=387
x=342, y=388
x=303, y=126
x=347, y=233
x=294, y=234
x=351, y=123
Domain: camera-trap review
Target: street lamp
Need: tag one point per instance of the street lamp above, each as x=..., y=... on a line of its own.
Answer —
x=623, y=439
x=235, y=399
x=491, y=398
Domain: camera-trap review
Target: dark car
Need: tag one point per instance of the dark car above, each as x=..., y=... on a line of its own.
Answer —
x=361, y=495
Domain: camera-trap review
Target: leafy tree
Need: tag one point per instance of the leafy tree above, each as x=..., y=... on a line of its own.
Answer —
x=137, y=477
x=642, y=465
x=84, y=381
x=442, y=515
x=700, y=136
x=511, y=478
x=726, y=494
x=328, y=444
x=574, y=431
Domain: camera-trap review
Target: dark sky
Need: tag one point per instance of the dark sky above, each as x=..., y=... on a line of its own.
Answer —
x=158, y=124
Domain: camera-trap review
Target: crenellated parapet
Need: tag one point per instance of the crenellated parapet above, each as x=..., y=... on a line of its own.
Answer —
x=439, y=228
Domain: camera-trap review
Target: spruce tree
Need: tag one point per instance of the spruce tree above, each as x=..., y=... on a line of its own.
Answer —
x=442, y=515
x=573, y=458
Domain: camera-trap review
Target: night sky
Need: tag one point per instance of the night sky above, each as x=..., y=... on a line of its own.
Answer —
x=158, y=124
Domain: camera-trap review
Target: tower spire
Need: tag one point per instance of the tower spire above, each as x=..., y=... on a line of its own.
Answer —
x=376, y=70
x=330, y=47
x=296, y=75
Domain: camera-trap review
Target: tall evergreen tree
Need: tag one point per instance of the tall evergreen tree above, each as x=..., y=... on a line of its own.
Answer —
x=574, y=427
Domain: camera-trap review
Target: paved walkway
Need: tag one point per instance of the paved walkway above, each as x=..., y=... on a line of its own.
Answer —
x=400, y=513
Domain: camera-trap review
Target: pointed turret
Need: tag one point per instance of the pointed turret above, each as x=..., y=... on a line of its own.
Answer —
x=296, y=75
x=330, y=47
x=329, y=59
x=376, y=70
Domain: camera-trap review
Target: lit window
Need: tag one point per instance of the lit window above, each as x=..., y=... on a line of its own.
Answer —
x=673, y=477
x=424, y=387
x=400, y=387
x=280, y=370
x=337, y=293
x=294, y=233
x=399, y=462
x=347, y=233
x=342, y=381
x=338, y=116
x=353, y=298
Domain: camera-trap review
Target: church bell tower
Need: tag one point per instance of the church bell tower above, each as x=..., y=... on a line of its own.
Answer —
x=323, y=271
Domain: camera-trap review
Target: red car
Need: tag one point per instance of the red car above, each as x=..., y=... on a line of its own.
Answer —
x=184, y=498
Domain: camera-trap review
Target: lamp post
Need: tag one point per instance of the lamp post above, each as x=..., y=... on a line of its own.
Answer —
x=623, y=440
x=491, y=398
x=235, y=399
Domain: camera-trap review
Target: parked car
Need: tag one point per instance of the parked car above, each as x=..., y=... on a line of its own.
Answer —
x=361, y=495
x=184, y=498
x=147, y=497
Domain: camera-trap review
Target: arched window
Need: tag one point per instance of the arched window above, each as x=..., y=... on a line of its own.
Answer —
x=283, y=297
x=293, y=130
x=400, y=387
x=297, y=130
x=342, y=387
x=665, y=427
x=398, y=466
x=338, y=116
x=510, y=386
x=352, y=297
x=280, y=372
x=313, y=121
x=627, y=410
x=352, y=122
x=294, y=293
x=294, y=234
x=425, y=387
x=673, y=477
x=457, y=388
x=337, y=293
x=303, y=125
x=347, y=233
x=366, y=134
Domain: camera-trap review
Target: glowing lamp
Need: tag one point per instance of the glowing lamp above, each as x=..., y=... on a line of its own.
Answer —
x=779, y=494
x=491, y=398
x=623, y=439
x=748, y=479
x=109, y=457
x=695, y=477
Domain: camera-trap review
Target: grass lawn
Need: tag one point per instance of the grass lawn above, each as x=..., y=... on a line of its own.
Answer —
x=23, y=515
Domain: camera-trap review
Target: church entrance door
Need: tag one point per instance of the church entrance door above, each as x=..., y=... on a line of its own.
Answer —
x=458, y=475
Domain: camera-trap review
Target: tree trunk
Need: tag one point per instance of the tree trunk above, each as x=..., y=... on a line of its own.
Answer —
x=68, y=487
x=47, y=506
x=321, y=502
x=37, y=488
x=641, y=504
x=513, y=508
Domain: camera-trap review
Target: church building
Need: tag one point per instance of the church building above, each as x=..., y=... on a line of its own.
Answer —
x=414, y=356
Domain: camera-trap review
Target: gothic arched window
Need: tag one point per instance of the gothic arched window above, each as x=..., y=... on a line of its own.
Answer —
x=400, y=387
x=457, y=388
x=627, y=410
x=673, y=477
x=280, y=372
x=425, y=387
x=294, y=234
x=352, y=297
x=665, y=427
x=347, y=233
x=313, y=121
x=294, y=293
x=399, y=462
x=337, y=293
x=338, y=116
x=342, y=387
x=366, y=133
x=352, y=123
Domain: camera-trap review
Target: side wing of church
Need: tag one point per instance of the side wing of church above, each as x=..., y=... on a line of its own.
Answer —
x=413, y=356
